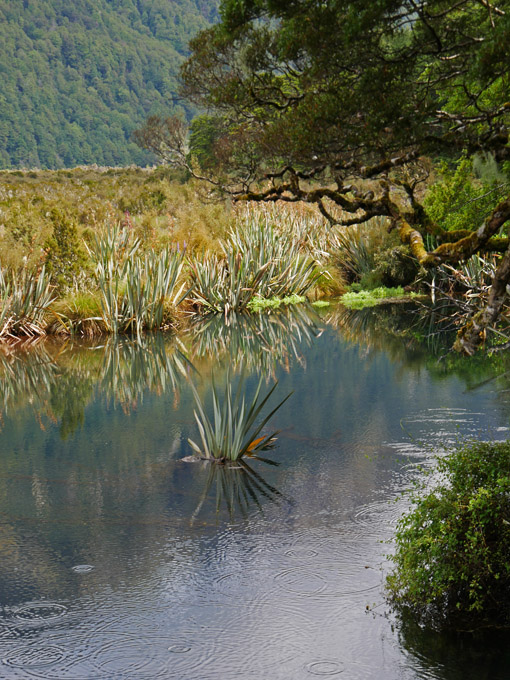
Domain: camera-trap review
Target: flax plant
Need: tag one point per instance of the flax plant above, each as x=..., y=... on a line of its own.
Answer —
x=257, y=261
x=226, y=284
x=135, y=289
x=24, y=303
x=233, y=432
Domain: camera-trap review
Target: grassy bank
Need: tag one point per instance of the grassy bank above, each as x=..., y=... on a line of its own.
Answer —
x=123, y=250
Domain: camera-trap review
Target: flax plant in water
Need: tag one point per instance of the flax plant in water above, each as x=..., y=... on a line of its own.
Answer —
x=233, y=432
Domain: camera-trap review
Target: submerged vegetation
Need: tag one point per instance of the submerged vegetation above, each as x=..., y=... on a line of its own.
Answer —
x=452, y=564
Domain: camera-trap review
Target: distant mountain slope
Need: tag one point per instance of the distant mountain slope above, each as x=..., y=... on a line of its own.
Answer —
x=77, y=76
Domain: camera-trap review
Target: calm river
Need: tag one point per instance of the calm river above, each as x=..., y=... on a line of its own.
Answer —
x=119, y=561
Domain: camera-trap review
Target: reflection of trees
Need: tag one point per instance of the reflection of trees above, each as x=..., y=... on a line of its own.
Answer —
x=59, y=380
x=237, y=487
x=412, y=330
x=257, y=342
x=420, y=335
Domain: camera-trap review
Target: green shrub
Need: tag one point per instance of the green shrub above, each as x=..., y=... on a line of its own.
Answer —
x=458, y=200
x=452, y=560
x=65, y=257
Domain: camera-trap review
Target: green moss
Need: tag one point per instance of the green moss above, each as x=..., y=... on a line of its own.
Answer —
x=370, y=298
x=259, y=304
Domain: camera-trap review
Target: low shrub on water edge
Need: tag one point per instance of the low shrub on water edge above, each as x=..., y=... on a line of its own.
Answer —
x=452, y=562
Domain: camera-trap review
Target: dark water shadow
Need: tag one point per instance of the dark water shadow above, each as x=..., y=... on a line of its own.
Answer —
x=483, y=655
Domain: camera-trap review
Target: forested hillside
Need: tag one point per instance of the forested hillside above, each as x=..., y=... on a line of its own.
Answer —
x=78, y=77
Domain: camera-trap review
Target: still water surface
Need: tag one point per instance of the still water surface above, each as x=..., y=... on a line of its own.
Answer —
x=120, y=561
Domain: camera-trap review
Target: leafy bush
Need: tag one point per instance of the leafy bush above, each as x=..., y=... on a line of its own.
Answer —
x=65, y=257
x=458, y=200
x=452, y=563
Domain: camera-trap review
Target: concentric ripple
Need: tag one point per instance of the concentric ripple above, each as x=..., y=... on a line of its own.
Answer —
x=301, y=581
x=40, y=611
x=301, y=553
x=34, y=656
x=325, y=667
x=82, y=568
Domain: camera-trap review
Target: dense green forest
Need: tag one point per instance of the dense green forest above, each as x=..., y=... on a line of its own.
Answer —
x=78, y=77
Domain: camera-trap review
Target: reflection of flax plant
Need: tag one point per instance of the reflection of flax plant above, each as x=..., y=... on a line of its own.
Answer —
x=131, y=368
x=24, y=301
x=257, y=342
x=26, y=376
x=233, y=433
x=237, y=488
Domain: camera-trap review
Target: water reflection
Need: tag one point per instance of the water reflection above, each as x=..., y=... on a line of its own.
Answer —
x=153, y=363
x=58, y=380
x=415, y=329
x=238, y=488
x=484, y=655
x=120, y=561
x=257, y=342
